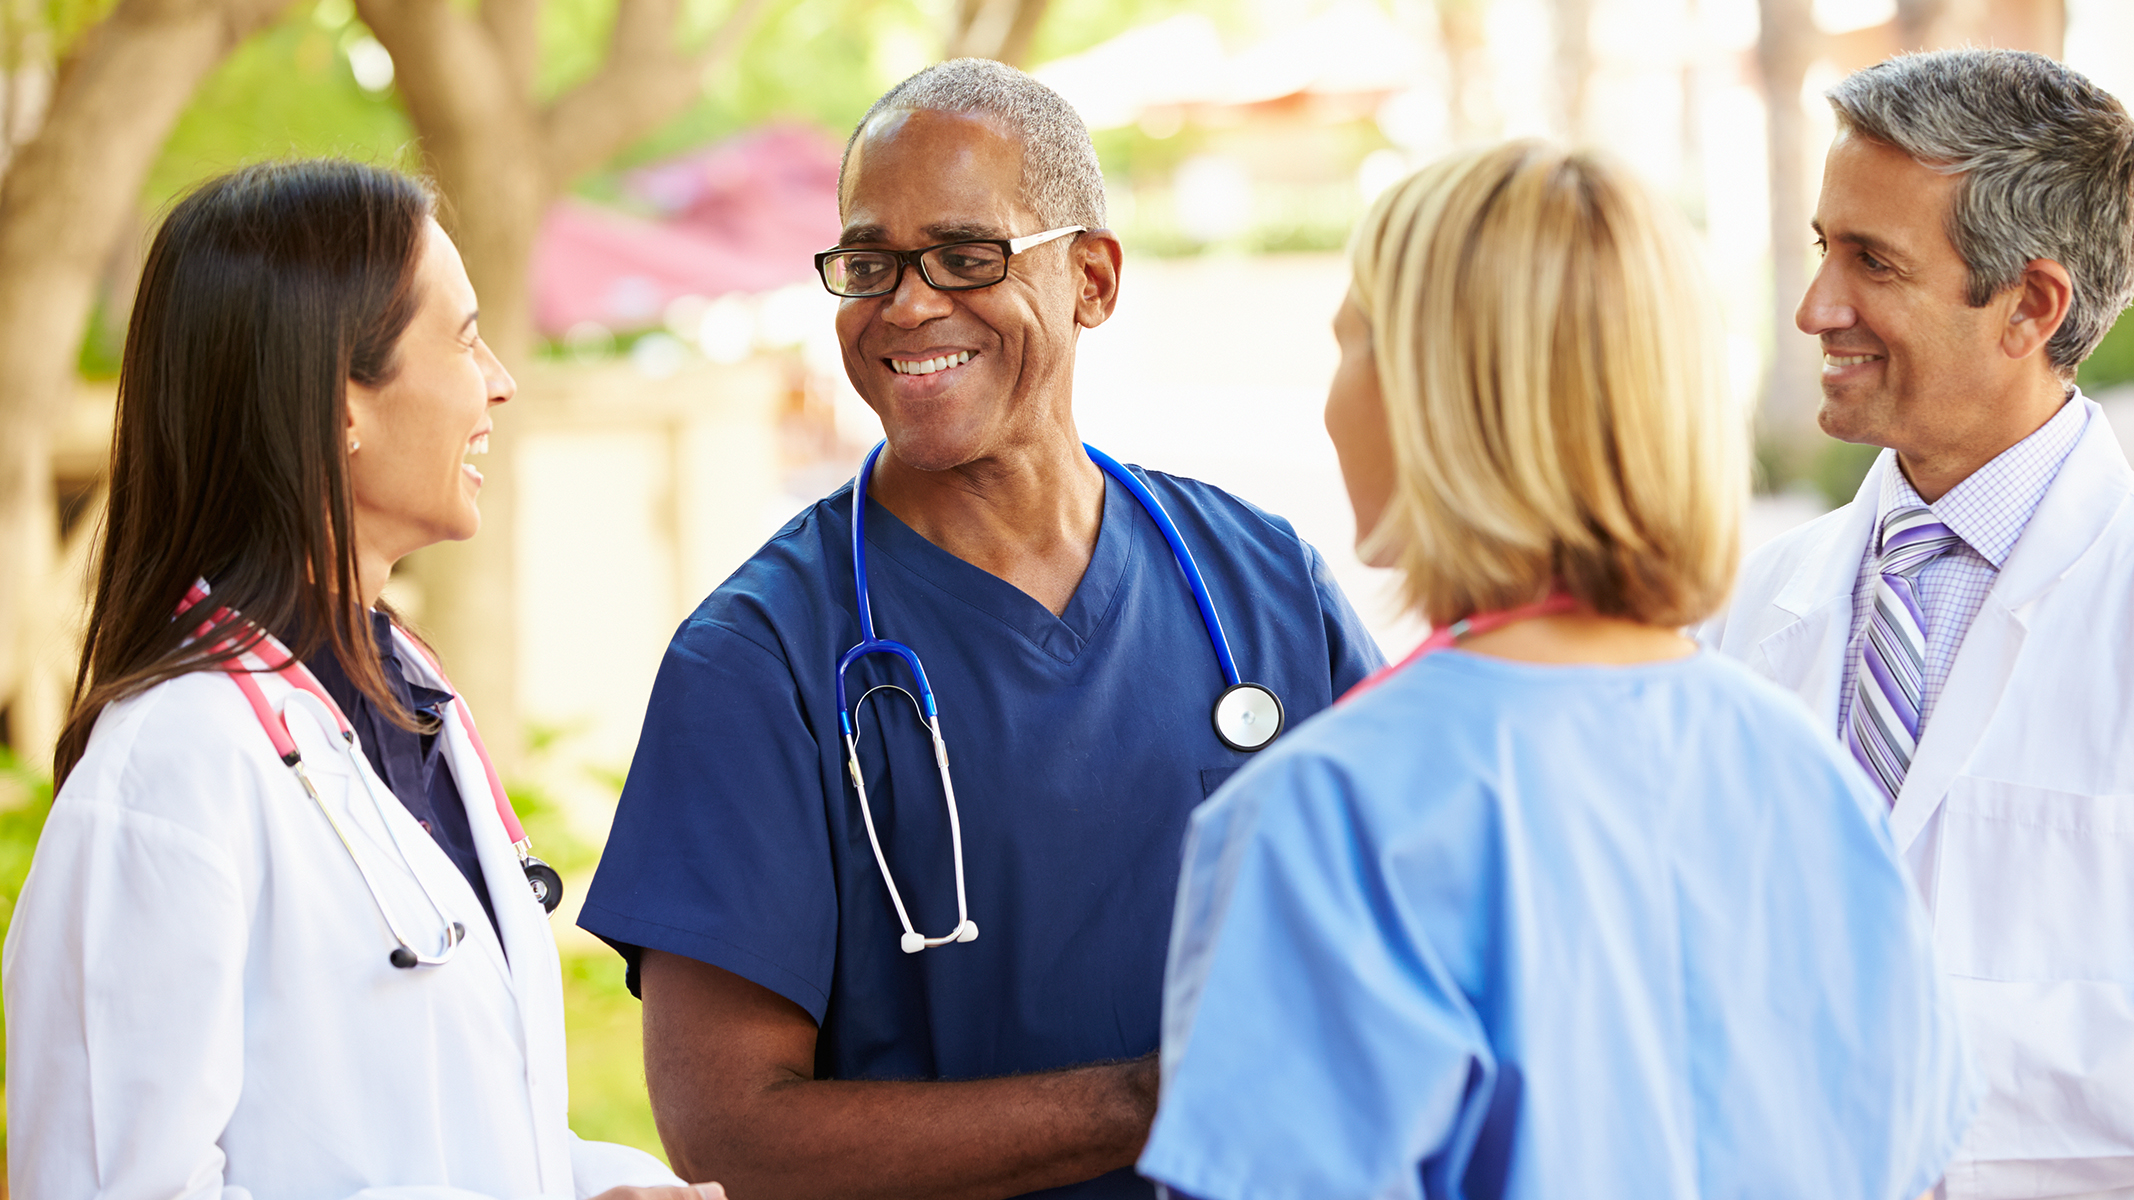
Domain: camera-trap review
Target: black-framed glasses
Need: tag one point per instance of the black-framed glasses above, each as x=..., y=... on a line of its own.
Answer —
x=949, y=267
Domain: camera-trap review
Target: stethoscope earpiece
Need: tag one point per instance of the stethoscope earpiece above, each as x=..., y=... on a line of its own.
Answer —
x=913, y=941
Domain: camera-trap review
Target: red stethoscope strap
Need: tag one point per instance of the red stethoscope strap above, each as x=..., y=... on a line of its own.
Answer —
x=241, y=673
x=1445, y=637
x=297, y=675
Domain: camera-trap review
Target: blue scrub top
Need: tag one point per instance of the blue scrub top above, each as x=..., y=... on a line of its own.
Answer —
x=1078, y=745
x=1495, y=929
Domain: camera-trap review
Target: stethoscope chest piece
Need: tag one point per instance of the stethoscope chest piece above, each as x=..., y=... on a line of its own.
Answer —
x=546, y=883
x=1247, y=716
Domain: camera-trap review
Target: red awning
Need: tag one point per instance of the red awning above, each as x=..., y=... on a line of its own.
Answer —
x=746, y=215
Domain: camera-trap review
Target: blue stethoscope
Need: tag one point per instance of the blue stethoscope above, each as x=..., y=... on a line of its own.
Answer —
x=1247, y=716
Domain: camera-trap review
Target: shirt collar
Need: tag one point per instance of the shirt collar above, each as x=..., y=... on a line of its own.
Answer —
x=1991, y=507
x=419, y=698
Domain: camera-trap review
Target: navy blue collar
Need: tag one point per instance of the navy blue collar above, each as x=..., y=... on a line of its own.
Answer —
x=1064, y=637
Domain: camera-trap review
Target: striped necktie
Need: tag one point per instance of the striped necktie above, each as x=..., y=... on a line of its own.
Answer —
x=1884, y=730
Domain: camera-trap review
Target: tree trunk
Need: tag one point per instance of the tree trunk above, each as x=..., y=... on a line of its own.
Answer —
x=1792, y=387
x=500, y=160
x=1465, y=41
x=1572, y=27
x=25, y=74
x=467, y=91
x=995, y=29
x=66, y=196
x=2039, y=25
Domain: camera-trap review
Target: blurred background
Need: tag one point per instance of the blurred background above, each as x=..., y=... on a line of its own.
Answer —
x=637, y=186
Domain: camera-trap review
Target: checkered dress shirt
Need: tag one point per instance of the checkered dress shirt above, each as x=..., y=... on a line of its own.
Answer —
x=1989, y=511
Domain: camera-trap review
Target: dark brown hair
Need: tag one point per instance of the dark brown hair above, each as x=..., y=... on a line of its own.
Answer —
x=265, y=291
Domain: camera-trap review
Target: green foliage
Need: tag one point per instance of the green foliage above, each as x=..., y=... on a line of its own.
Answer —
x=823, y=62
x=27, y=792
x=102, y=344
x=549, y=828
x=602, y=1021
x=819, y=62
x=20, y=823
x=2112, y=363
x=1838, y=468
x=1072, y=28
x=287, y=92
x=69, y=19
x=605, y=1028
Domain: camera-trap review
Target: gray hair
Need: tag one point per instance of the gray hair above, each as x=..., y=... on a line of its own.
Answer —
x=1061, y=181
x=2047, y=160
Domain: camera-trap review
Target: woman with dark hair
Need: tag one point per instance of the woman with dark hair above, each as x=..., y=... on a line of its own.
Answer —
x=278, y=938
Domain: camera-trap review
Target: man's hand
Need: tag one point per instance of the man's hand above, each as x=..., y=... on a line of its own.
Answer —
x=731, y=1069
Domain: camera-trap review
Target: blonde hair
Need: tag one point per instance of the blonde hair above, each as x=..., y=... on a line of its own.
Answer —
x=1548, y=354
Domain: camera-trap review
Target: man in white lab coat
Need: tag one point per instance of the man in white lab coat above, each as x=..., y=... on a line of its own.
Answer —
x=1966, y=624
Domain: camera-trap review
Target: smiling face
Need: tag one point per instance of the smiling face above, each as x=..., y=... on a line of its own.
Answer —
x=1356, y=421
x=411, y=482
x=963, y=376
x=1907, y=361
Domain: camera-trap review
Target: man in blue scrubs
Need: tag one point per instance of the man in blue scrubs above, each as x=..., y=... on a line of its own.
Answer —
x=792, y=1048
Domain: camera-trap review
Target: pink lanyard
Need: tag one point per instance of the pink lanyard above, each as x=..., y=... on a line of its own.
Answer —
x=298, y=675
x=1448, y=636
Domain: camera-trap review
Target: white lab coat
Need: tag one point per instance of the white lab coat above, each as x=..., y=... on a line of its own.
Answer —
x=2017, y=816
x=199, y=1002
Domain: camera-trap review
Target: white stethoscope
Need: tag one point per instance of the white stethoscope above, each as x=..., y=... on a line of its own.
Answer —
x=307, y=694
x=1247, y=716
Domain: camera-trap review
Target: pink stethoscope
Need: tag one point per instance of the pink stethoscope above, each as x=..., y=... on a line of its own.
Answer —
x=1448, y=636
x=307, y=694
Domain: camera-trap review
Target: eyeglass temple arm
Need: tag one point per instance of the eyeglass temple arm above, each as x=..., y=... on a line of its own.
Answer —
x=1018, y=245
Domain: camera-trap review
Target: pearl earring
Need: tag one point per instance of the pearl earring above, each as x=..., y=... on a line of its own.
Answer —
x=354, y=445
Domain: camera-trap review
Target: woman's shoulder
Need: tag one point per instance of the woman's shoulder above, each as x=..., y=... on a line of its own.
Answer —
x=1402, y=747
x=182, y=750
x=1498, y=691
x=1442, y=726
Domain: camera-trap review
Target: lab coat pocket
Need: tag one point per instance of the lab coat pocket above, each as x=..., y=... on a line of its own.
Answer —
x=2035, y=884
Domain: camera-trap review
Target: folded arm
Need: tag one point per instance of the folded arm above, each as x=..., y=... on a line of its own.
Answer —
x=731, y=1065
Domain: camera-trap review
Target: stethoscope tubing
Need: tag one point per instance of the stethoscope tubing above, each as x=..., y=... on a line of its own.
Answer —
x=1154, y=507
x=454, y=931
x=307, y=694
x=871, y=643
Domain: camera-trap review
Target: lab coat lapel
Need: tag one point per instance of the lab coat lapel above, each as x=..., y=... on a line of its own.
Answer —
x=400, y=844
x=533, y=970
x=500, y=863
x=2087, y=494
x=1808, y=653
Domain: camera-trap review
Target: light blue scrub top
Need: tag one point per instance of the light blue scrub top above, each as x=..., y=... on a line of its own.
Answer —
x=1499, y=929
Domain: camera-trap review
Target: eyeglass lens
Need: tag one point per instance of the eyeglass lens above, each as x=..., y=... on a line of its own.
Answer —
x=954, y=266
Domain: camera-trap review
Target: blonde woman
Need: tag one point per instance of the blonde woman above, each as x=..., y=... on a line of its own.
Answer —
x=1559, y=906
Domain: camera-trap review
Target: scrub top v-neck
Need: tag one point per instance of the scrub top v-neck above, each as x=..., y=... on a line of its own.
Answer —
x=1079, y=743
